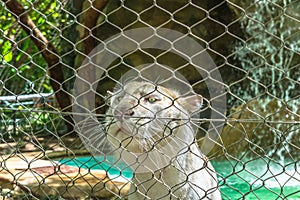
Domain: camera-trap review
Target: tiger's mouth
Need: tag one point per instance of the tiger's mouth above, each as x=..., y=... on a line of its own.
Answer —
x=134, y=129
x=146, y=130
x=141, y=135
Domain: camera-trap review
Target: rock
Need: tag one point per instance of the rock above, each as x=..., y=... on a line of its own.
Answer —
x=262, y=127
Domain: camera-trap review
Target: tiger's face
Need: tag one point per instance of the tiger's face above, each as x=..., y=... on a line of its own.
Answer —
x=144, y=115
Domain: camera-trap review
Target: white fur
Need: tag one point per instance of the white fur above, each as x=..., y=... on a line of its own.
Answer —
x=183, y=171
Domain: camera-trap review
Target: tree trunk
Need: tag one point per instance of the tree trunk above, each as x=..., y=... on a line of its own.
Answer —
x=50, y=55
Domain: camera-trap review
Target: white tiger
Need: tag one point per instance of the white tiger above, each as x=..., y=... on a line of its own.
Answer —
x=145, y=119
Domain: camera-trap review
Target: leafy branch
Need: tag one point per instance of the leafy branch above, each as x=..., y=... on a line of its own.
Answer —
x=49, y=53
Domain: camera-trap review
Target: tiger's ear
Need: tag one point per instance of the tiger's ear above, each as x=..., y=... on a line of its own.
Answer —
x=191, y=103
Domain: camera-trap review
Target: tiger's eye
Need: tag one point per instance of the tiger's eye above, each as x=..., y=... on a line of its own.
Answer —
x=151, y=99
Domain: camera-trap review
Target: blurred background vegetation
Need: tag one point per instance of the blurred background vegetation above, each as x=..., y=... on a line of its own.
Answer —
x=255, y=45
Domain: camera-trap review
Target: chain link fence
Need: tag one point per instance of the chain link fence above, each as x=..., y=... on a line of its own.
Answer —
x=176, y=99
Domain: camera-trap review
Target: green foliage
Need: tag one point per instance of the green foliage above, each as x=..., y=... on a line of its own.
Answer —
x=23, y=69
x=21, y=119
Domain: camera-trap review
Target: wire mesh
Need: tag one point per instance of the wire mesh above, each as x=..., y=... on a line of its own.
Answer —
x=149, y=99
